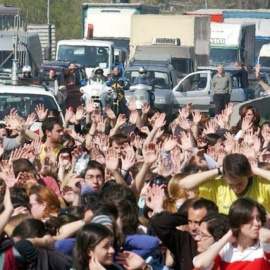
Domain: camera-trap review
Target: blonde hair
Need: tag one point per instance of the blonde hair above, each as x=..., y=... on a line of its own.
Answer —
x=175, y=193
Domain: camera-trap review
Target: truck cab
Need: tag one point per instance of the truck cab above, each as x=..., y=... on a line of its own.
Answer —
x=88, y=53
x=264, y=56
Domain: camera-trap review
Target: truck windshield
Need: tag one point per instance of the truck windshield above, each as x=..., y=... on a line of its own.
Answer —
x=224, y=56
x=182, y=66
x=159, y=79
x=88, y=56
x=264, y=61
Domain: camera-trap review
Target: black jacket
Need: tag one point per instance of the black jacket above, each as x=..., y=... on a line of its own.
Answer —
x=180, y=243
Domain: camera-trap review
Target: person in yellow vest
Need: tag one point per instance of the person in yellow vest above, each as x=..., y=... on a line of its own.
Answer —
x=53, y=137
x=238, y=180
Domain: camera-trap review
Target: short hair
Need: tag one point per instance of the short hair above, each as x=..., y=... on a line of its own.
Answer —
x=117, y=192
x=209, y=205
x=241, y=211
x=217, y=225
x=23, y=165
x=48, y=124
x=236, y=165
x=119, y=138
x=93, y=164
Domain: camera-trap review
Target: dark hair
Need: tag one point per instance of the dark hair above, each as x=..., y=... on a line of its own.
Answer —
x=30, y=228
x=128, y=212
x=48, y=124
x=92, y=164
x=236, y=165
x=23, y=165
x=217, y=225
x=209, y=205
x=87, y=238
x=117, y=192
x=241, y=211
x=212, y=138
x=119, y=138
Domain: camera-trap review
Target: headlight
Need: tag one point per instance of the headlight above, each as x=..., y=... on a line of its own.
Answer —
x=95, y=92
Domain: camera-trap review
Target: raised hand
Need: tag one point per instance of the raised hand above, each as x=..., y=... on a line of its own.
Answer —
x=184, y=123
x=69, y=116
x=41, y=112
x=145, y=108
x=133, y=117
x=196, y=117
x=128, y=161
x=150, y=153
x=155, y=197
x=79, y=114
x=31, y=119
x=169, y=143
x=160, y=121
x=89, y=106
x=101, y=125
x=110, y=113
x=187, y=143
x=112, y=160
x=132, y=105
x=121, y=120
x=210, y=127
x=246, y=124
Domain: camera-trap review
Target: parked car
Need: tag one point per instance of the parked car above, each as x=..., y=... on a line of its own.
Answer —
x=25, y=98
x=73, y=97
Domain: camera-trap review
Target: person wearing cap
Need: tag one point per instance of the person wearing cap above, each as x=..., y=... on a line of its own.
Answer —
x=98, y=77
x=142, y=78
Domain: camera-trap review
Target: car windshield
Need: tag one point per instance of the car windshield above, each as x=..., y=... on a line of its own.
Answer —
x=159, y=79
x=23, y=103
x=89, y=56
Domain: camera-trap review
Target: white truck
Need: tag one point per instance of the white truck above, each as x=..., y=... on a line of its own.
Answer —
x=232, y=43
x=193, y=31
x=88, y=53
x=118, y=21
x=264, y=56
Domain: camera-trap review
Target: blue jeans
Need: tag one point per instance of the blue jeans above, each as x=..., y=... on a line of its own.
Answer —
x=249, y=94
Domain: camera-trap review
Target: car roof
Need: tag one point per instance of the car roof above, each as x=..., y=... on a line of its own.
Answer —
x=25, y=89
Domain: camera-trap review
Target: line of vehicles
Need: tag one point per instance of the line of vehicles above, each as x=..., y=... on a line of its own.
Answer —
x=176, y=51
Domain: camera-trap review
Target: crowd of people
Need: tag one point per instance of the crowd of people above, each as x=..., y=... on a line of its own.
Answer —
x=135, y=191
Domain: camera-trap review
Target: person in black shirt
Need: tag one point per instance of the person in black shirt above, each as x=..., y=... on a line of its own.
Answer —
x=242, y=74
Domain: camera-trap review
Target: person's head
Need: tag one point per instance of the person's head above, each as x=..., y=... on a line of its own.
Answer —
x=236, y=170
x=117, y=141
x=197, y=212
x=142, y=71
x=26, y=71
x=52, y=130
x=51, y=74
x=212, y=228
x=72, y=67
x=116, y=71
x=94, y=175
x=43, y=202
x=250, y=69
x=246, y=217
x=3, y=131
x=93, y=241
x=152, y=115
x=29, y=228
x=99, y=72
x=220, y=69
x=252, y=113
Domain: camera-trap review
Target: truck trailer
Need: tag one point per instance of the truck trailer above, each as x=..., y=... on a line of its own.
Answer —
x=192, y=31
x=118, y=22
